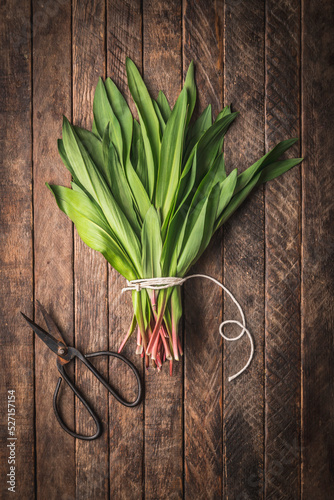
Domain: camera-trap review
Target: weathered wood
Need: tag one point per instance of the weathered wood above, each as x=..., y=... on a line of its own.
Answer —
x=244, y=252
x=317, y=250
x=53, y=242
x=203, y=43
x=16, y=258
x=90, y=268
x=163, y=401
x=125, y=424
x=282, y=218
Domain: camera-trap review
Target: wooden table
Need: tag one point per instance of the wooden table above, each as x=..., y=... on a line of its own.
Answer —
x=268, y=434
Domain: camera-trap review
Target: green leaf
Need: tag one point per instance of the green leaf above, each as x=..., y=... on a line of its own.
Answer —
x=224, y=112
x=160, y=117
x=190, y=86
x=193, y=236
x=123, y=115
x=236, y=201
x=104, y=115
x=139, y=193
x=227, y=188
x=151, y=244
x=139, y=159
x=145, y=108
x=93, y=228
x=208, y=145
x=121, y=190
x=210, y=219
x=92, y=180
x=171, y=155
x=94, y=148
x=271, y=157
x=277, y=168
x=196, y=130
x=163, y=106
x=64, y=158
x=150, y=164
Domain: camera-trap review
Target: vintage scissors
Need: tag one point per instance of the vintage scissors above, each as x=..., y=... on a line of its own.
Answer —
x=65, y=354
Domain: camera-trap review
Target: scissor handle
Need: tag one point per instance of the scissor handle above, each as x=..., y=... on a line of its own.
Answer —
x=83, y=401
x=129, y=404
x=75, y=353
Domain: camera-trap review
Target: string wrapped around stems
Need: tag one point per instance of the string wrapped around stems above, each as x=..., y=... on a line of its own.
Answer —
x=167, y=282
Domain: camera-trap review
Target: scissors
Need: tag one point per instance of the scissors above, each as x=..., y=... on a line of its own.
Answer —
x=65, y=355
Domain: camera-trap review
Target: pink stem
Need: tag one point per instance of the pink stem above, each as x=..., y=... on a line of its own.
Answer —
x=167, y=351
x=179, y=346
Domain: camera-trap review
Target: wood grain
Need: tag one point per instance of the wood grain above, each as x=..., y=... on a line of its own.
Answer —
x=16, y=257
x=90, y=268
x=126, y=425
x=53, y=242
x=244, y=252
x=163, y=401
x=203, y=42
x=268, y=434
x=317, y=250
x=282, y=257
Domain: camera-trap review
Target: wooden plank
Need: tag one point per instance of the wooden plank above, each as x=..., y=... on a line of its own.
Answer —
x=16, y=258
x=203, y=42
x=90, y=268
x=282, y=227
x=53, y=240
x=163, y=401
x=317, y=250
x=244, y=253
x=126, y=424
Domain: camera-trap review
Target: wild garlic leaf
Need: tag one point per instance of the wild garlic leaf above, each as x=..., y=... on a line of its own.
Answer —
x=196, y=130
x=139, y=194
x=104, y=115
x=268, y=158
x=208, y=145
x=189, y=85
x=193, y=236
x=64, y=157
x=123, y=115
x=151, y=165
x=145, y=108
x=210, y=219
x=92, y=180
x=139, y=157
x=227, y=187
x=160, y=117
x=171, y=156
x=236, y=200
x=121, y=190
x=163, y=106
x=151, y=244
x=94, y=147
x=277, y=168
x=93, y=228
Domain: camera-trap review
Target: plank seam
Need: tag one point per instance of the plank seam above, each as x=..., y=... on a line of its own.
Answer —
x=33, y=237
x=265, y=416
x=301, y=133
x=143, y=364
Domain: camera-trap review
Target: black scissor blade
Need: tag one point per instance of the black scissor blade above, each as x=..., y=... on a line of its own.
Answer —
x=52, y=327
x=51, y=342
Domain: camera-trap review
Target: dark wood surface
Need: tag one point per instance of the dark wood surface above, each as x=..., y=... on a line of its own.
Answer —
x=268, y=434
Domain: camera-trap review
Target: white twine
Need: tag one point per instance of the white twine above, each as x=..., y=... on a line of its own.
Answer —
x=162, y=283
